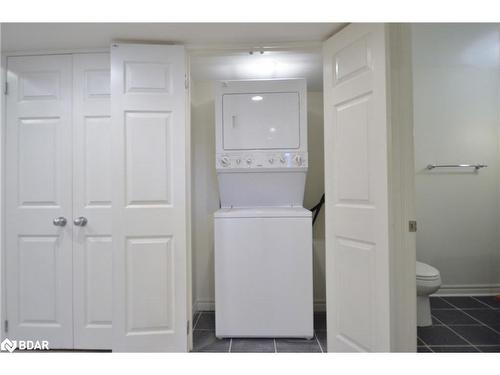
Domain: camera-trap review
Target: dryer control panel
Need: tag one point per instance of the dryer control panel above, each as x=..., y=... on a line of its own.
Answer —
x=262, y=160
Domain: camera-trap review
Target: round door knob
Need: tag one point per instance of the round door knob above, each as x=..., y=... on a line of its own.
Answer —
x=59, y=221
x=80, y=221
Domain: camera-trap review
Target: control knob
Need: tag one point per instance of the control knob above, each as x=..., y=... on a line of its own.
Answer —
x=282, y=160
x=249, y=161
x=298, y=160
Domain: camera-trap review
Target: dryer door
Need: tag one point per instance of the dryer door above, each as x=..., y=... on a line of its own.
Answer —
x=261, y=121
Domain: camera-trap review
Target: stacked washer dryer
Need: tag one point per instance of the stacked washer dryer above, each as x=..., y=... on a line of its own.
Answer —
x=263, y=235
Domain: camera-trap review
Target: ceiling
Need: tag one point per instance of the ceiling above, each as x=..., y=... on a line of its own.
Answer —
x=225, y=64
x=59, y=36
x=290, y=64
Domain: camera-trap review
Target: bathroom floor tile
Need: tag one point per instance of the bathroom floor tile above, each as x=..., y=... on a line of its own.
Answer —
x=450, y=317
x=196, y=315
x=489, y=349
x=423, y=349
x=454, y=349
x=436, y=322
x=478, y=335
x=490, y=301
x=486, y=316
x=495, y=327
x=420, y=342
x=439, y=303
x=320, y=320
x=252, y=346
x=321, y=336
x=205, y=341
x=464, y=302
x=439, y=335
x=297, y=346
x=206, y=321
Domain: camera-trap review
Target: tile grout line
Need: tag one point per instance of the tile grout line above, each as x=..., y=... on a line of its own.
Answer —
x=316, y=337
x=477, y=320
x=275, y=347
x=485, y=304
x=458, y=334
x=197, y=320
x=446, y=302
x=230, y=345
x=425, y=344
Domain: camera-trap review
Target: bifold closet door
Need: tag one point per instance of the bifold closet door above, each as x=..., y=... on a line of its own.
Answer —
x=38, y=199
x=92, y=237
x=150, y=173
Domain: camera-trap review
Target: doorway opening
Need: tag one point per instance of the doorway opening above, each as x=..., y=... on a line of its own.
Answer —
x=456, y=126
x=207, y=67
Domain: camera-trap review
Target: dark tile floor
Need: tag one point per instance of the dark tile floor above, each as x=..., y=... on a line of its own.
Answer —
x=460, y=325
x=204, y=339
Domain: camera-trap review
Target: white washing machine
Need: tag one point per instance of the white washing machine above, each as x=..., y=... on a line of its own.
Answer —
x=263, y=235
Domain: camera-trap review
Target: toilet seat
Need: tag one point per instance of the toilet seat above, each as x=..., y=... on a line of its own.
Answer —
x=426, y=272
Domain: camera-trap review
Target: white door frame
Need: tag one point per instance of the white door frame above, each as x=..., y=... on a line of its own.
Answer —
x=401, y=190
x=3, y=281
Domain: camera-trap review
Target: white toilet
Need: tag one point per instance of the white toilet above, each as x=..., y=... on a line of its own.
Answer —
x=428, y=282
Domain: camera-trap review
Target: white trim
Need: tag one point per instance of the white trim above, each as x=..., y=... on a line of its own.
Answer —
x=3, y=299
x=55, y=52
x=189, y=234
x=401, y=189
x=203, y=306
x=468, y=290
x=246, y=47
x=209, y=305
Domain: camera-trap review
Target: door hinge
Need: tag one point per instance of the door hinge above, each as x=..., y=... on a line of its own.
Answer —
x=187, y=327
x=6, y=89
x=6, y=326
x=412, y=226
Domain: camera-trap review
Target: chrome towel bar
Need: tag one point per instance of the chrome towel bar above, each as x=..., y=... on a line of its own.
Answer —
x=475, y=166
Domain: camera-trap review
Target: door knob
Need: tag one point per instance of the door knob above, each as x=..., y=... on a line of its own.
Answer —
x=59, y=221
x=80, y=221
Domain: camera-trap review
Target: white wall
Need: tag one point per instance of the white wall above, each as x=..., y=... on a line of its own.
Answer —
x=205, y=199
x=456, y=120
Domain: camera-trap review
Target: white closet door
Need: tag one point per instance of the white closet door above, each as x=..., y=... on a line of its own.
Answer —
x=92, y=249
x=38, y=190
x=356, y=185
x=149, y=197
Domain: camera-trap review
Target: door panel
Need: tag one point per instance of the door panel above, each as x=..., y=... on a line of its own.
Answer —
x=92, y=259
x=38, y=190
x=149, y=197
x=356, y=186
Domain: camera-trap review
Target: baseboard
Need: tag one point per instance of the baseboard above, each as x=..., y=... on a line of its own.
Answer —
x=468, y=290
x=203, y=305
